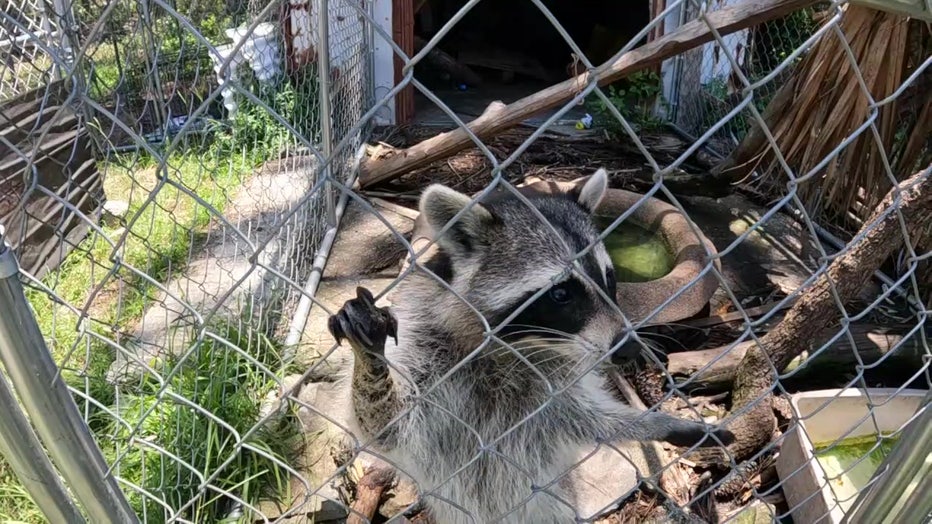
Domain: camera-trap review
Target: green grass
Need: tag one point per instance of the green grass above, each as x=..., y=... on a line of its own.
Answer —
x=160, y=235
x=226, y=384
x=15, y=503
x=217, y=378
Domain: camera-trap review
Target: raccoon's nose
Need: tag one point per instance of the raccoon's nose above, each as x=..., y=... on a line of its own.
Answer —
x=627, y=351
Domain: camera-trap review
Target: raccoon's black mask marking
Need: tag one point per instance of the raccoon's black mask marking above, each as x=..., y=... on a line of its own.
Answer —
x=500, y=246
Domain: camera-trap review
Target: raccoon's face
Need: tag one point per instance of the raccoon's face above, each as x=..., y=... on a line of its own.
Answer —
x=528, y=276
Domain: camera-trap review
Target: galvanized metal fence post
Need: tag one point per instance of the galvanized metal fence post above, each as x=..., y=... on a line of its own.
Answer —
x=326, y=123
x=49, y=403
x=909, y=465
x=23, y=451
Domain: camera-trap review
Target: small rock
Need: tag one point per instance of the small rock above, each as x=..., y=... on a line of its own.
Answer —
x=114, y=212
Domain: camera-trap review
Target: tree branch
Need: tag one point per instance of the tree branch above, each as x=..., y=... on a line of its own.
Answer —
x=817, y=310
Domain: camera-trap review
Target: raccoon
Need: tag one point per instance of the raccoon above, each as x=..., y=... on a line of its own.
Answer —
x=486, y=418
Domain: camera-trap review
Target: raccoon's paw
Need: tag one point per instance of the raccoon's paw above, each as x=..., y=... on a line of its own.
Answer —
x=685, y=433
x=364, y=325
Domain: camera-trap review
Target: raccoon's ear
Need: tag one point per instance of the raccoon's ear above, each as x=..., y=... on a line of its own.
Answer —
x=439, y=204
x=590, y=195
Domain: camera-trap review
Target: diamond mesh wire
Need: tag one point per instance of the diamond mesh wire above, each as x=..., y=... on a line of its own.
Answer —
x=707, y=86
x=22, y=34
x=218, y=168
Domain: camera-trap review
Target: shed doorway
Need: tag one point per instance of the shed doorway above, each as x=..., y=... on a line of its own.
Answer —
x=505, y=50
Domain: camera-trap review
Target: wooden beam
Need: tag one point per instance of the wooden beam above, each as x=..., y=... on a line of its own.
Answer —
x=728, y=20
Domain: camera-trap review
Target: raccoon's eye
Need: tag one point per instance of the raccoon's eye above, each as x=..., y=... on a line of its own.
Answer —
x=560, y=295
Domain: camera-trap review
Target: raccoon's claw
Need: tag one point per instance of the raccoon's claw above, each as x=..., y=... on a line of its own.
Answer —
x=336, y=329
x=686, y=434
x=363, y=324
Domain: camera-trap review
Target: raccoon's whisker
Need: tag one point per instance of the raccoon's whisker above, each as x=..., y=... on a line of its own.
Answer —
x=537, y=351
x=531, y=342
x=520, y=348
x=659, y=335
x=574, y=367
x=568, y=337
x=536, y=334
x=653, y=346
x=544, y=329
x=530, y=352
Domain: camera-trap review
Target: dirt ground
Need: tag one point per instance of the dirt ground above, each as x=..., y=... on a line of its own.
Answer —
x=552, y=156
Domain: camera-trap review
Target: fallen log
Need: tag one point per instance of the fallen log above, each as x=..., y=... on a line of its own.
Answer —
x=690, y=35
x=873, y=343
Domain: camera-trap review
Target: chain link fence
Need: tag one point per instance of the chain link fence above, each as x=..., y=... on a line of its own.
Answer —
x=708, y=86
x=24, y=41
x=190, y=193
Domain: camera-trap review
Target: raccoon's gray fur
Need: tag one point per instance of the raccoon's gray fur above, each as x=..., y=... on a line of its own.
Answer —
x=482, y=433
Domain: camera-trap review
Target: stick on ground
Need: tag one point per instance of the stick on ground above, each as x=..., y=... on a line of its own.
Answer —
x=369, y=491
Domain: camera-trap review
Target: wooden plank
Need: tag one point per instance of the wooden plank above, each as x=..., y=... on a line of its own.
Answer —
x=459, y=71
x=39, y=225
x=494, y=121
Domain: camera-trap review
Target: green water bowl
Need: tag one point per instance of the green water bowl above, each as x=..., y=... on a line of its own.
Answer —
x=660, y=260
x=638, y=254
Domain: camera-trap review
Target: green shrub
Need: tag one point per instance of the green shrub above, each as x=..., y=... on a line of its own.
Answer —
x=255, y=132
x=635, y=98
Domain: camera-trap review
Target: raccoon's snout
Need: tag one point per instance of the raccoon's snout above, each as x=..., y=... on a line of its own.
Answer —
x=627, y=351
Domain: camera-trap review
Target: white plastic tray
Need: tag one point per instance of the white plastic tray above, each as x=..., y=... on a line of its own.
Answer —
x=825, y=416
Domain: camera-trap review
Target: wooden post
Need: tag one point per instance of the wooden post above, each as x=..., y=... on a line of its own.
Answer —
x=403, y=33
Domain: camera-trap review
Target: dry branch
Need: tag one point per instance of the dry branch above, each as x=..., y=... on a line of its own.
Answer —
x=728, y=20
x=872, y=343
x=816, y=310
x=369, y=490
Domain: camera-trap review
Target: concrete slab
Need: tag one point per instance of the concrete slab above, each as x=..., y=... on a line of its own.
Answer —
x=367, y=252
x=598, y=484
x=315, y=495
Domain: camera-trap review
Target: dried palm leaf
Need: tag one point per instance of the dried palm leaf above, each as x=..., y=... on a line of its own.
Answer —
x=826, y=101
